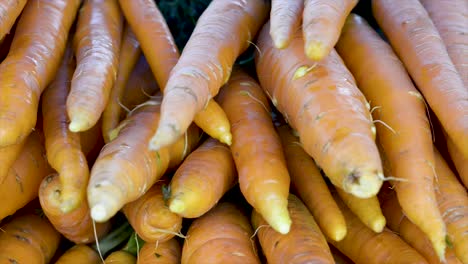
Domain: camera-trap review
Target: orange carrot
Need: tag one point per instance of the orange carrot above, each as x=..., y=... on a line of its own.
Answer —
x=97, y=45
x=405, y=133
x=305, y=242
x=461, y=162
x=285, y=20
x=257, y=151
x=126, y=168
x=168, y=252
x=8, y=155
x=222, y=33
x=151, y=218
x=162, y=60
x=129, y=53
x=410, y=233
x=10, y=10
x=21, y=185
x=28, y=239
x=120, y=257
x=75, y=225
x=92, y=141
x=309, y=184
x=321, y=101
x=223, y=235
x=415, y=39
x=31, y=64
x=363, y=246
x=449, y=17
x=202, y=179
x=79, y=254
x=452, y=198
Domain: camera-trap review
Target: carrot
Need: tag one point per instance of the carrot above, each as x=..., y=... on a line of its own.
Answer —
x=97, y=46
x=461, y=162
x=120, y=257
x=452, y=198
x=126, y=168
x=321, y=101
x=129, y=53
x=405, y=133
x=92, y=142
x=285, y=19
x=310, y=186
x=367, y=210
x=10, y=10
x=8, y=155
x=222, y=33
x=168, y=252
x=449, y=17
x=362, y=245
x=75, y=225
x=416, y=41
x=79, y=254
x=151, y=218
x=322, y=23
x=21, y=185
x=162, y=60
x=304, y=243
x=223, y=235
x=34, y=57
x=28, y=239
x=211, y=164
x=412, y=234
x=257, y=151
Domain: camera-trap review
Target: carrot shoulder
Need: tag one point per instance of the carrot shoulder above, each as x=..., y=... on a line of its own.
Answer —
x=97, y=45
x=164, y=57
x=10, y=11
x=417, y=42
x=222, y=33
x=257, y=151
x=322, y=103
x=405, y=133
x=168, y=252
x=34, y=57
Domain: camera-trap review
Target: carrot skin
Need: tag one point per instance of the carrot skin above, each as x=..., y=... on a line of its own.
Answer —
x=309, y=185
x=97, y=45
x=263, y=175
x=212, y=164
x=321, y=102
x=305, y=242
x=120, y=257
x=206, y=63
x=405, y=133
x=419, y=45
x=285, y=19
x=34, y=57
x=168, y=252
x=129, y=54
x=10, y=10
x=79, y=254
x=461, y=162
x=8, y=155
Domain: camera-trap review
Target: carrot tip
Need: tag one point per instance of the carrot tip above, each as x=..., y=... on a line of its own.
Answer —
x=339, y=234
x=363, y=184
x=165, y=135
x=315, y=50
x=99, y=213
x=78, y=125
x=177, y=206
x=378, y=224
x=280, y=42
x=226, y=138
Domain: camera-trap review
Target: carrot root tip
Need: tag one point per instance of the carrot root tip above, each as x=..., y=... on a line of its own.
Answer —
x=315, y=50
x=226, y=138
x=165, y=135
x=378, y=224
x=339, y=234
x=177, y=206
x=78, y=124
x=99, y=213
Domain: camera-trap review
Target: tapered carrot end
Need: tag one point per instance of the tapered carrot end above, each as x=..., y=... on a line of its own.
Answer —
x=339, y=233
x=99, y=213
x=315, y=50
x=226, y=138
x=378, y=224
x=276, y=214
x=78, y=123
x=165, y=136
x=177, y=206
x=280, y=41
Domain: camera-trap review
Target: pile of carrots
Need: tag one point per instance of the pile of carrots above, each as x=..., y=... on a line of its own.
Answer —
x=341, y=143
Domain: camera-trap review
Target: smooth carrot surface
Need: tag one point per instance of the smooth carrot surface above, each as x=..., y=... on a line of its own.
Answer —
x=34, y=57
x=449, y=17
x=168, y=252
x=452, y=198
x=79, y=254
x=461, y=162
x=321, y=101
x=129, y=54
x=120, y=257
x=404, y=132
x=305, y=242
x=202, y=179
x=322, y=23
x=162, y=60
x=309, y=185
x=151, y=218
x=126, y=168
x=9, y=12
x=223, y=235
x=97, y=46
x=22, y=183
x=419, y=45
x=263, y=175
x=28, y=239
x=222, y=33
x=285, y=19
x=8, y=155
